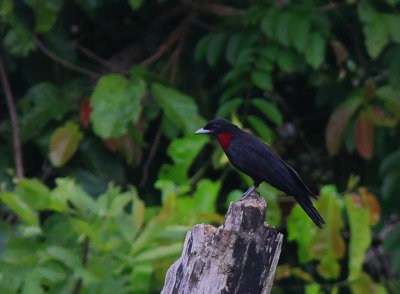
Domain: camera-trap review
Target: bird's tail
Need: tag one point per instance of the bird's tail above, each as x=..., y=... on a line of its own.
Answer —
x=308, y=207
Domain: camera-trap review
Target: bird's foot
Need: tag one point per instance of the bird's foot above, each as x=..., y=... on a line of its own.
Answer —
x=249, y=192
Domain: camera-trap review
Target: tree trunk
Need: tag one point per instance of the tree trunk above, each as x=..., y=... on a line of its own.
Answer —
x=238, y=257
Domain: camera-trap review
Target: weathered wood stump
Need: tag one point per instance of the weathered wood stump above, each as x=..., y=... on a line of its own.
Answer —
x=238, y=257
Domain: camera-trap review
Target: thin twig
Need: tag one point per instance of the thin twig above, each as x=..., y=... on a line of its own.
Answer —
x=152, y=153
x=78, y=284
x=100, y=60
x=171, y=40
x=64, y=62
x=14, y=121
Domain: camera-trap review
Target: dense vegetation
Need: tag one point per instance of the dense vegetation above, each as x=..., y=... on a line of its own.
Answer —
x=100, y=172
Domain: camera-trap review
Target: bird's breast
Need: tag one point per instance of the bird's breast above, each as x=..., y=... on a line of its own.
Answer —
x=224, y=140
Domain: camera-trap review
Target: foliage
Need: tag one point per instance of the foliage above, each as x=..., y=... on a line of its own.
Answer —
x=108, y=105
x=111, y=243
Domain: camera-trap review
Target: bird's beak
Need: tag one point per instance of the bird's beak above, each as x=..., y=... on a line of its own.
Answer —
x=202, y=132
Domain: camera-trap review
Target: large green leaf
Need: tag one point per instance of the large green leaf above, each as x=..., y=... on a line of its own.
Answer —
x=180, y=108
x=282, y=28
x=42, y=104
x=215, y=47
x=262, y=80
x=261, y=128
x=45, y=13
x=315, y=52
x=116, y=102
x=64, y=143
x=298, y=223
x=270, y=110
x=159, y=252
x=18, y=40
x=67, y=189
x=360, y=234
x=391, y=98
x=183, y=151
x=299, y=31
x=363, y=284
x=228, y=107
x=206, y=195
x=376, y=35
x=20, y=207
x=328, y=245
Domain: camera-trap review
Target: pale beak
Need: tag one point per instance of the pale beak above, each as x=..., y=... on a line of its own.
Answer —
x=202, y=132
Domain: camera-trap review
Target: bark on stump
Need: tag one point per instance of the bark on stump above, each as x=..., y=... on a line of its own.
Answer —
x=238, y=257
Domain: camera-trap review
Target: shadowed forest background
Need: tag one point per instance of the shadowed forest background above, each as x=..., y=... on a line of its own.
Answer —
x=101, y=175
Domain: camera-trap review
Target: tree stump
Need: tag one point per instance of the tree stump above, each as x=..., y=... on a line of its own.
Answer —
x=238, y=257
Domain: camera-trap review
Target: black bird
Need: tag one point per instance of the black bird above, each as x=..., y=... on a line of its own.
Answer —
x=251, y=156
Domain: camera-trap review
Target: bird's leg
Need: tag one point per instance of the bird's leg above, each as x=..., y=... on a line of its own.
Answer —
x=248, y=192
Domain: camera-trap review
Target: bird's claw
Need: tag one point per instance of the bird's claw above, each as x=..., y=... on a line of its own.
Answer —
x=249, y=192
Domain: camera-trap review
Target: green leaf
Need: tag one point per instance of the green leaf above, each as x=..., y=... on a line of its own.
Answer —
x=6, y=6
x=363, y=284
x=287, y=60
x=282, y=28
x=138, y=211
x=299, y=31
x=136, y=4
x=268, y=23
x=116, y=102
x=232, y=48
x=360, y=235
x=159, y=252
x=390, y=164
x=43, y=103
x=365, y=11
x=262, y=80
x=206, y=195
x=141, y=277
x=20, y=207
x=67, y=189
x=328, y=245
x=392, y=240
x=271, y=195
x=261, y=128
x=31, y=284
x=45, y=13
x=390, y=187
x=376, y=35
x=215, y=47
x=315, y=52
x=338, y=122
x=18, y=40
x=64, y=143
x=297, y=223
x=233, y=196
x=201, y=47
x=391, y=98
x=183, y=151
x=229, y=107
x=180, y=108
x=313, y=289
x=270, y=110
x=393, y=24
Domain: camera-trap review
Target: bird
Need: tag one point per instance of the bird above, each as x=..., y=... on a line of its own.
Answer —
x=251, y=156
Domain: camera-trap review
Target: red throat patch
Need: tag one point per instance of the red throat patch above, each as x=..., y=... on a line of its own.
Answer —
x=224, y=139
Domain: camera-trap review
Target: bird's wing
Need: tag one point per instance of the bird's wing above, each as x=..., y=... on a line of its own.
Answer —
x=261, y=163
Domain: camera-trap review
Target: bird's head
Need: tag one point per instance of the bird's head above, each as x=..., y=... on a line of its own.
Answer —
x=216, y=127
